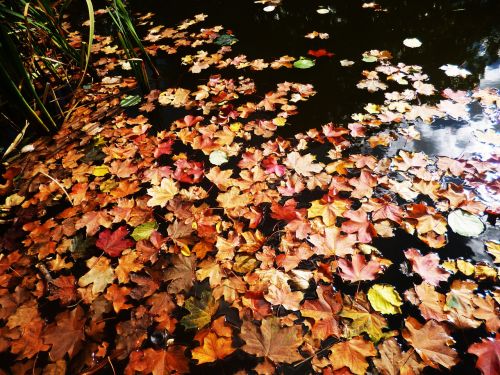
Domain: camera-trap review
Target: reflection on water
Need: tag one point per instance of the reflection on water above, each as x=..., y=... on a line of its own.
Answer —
x=491, y=76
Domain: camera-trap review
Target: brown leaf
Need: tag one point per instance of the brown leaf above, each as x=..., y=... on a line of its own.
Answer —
x=181, y=274
x=352, y=354
x=272, y=341
x=393, y=361
x=431, y=342
x=66, y=335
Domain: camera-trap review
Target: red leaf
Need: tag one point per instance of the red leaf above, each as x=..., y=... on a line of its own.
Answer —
x=319, y=53
x=488, y=353
x=358, y=269
x=427, y=266
x=113, y=243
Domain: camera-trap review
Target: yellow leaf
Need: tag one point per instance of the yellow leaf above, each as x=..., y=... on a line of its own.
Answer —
x=466, y=268
x=100, y=170
x=494, y=249
x=185, y=250
x=235, y=126
x=385, y=299
x=213, y=348
x=279, y=121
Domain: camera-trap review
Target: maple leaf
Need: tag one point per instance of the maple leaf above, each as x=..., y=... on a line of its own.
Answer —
x=352, y=354
x=488, y=353
x=181, y=274
x=319, y=53
x=393, y=361
x=200, y=309
x=279, y=344
x=432, y=302
x=359, y=224
x=158, y=362
x=213, y=348
x=303, y=165
x=66, y=334
x=363, y=319
x=93, y=220
x=113, y=243
x=100, y=274
x=284, y=296
x=64, y=290
x=431, y=341
x=358, y=269
x=324, y=311
x=161, y=195
x=287, y=212
x=427, y=266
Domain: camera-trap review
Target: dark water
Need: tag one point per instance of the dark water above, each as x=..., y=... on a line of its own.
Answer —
x=464, y=33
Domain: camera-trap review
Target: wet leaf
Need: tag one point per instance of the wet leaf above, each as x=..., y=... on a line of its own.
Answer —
x=465, y=224
x=201, y=309
x=385, y=299
x=272, y=341
x=304, y=63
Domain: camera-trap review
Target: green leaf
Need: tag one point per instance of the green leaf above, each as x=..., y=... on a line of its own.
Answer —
x=130, y=100
x=465, y=224
x=143, y=231
x=304, y=63
x=226, y=40
x=200, y=309
x=385, y=299
x=369, y=58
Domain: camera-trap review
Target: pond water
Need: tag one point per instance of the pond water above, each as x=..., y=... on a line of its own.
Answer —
x=462, y=33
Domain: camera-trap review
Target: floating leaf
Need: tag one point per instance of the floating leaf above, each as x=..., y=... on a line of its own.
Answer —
x=143, y=231
x=412, y=42
x=272, y=341
x=225, y=40
x=385, y=299
x=130, y=101
x=304, y=63
x=323, y=10
x=100, y=170
x=218, y=157
x=465, y=224
x=200, y=309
